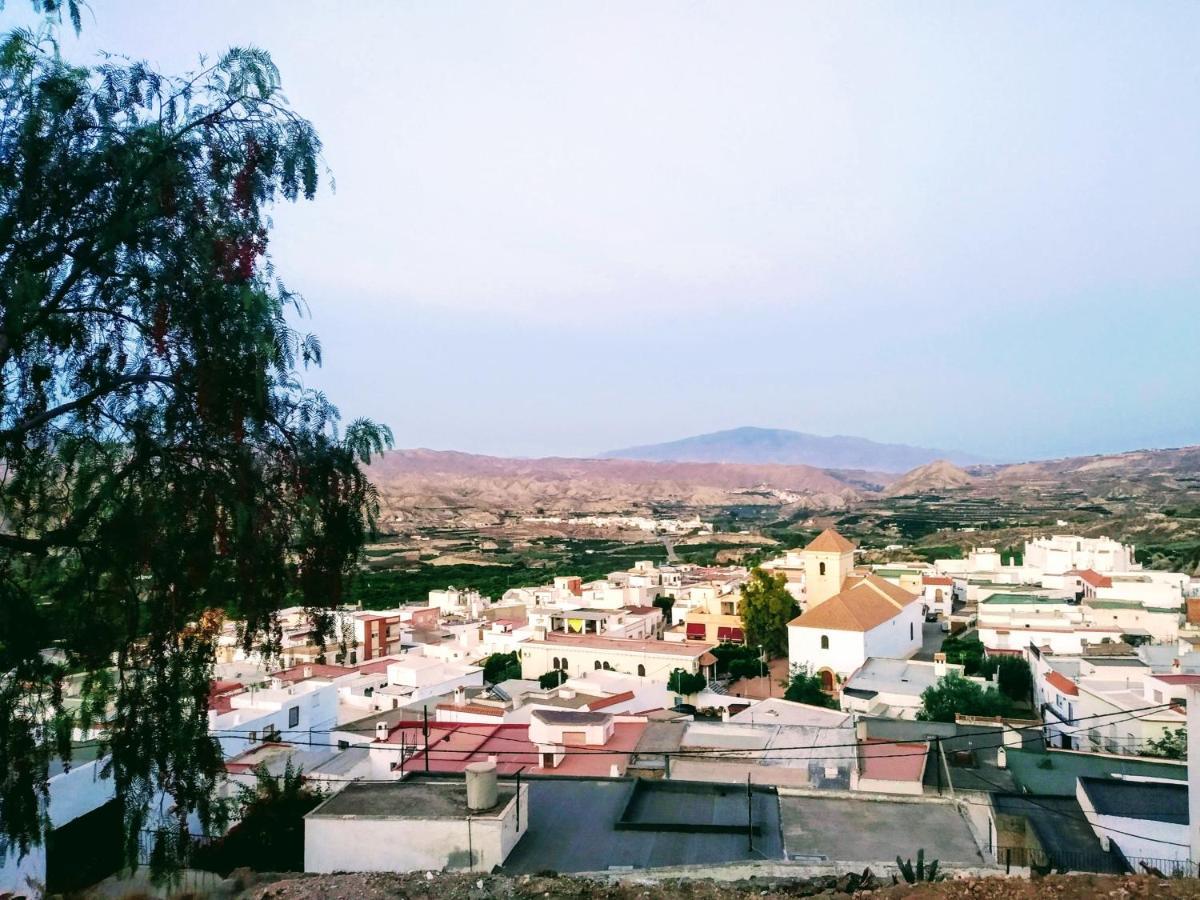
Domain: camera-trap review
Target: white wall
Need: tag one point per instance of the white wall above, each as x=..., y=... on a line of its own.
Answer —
x=383, y=844
x=846, y=651
x=72, y=794
x=900, y=636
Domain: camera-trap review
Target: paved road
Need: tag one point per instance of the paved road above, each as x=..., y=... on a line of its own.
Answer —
x=931, y=641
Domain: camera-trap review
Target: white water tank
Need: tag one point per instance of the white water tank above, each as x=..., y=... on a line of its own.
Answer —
x=481, y=785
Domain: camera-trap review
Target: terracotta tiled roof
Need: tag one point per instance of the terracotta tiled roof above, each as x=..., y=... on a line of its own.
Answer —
x=1062, y=682
x=610, y=701
x=937, y=579
x=829, y=541
x=864, y=603
x=1094, y=578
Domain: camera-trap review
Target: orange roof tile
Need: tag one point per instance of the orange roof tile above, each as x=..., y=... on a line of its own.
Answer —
x=863, y=604
x=1064, y=684
x=829, y=541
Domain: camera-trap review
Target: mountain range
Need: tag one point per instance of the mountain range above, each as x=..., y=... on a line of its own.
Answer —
x=778, y=446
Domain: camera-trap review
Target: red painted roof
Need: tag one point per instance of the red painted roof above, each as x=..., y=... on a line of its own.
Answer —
x=888, y=761
x=220, y=692
x=937, y=579
x=1062, y=682
x=1178, y=679
x=453, y=745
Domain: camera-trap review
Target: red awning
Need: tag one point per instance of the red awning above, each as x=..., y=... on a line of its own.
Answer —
x=696, y=630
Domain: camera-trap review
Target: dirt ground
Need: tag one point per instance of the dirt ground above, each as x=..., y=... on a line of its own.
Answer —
x=430, y=886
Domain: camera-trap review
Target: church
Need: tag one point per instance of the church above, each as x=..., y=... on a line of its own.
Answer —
x=849, y=616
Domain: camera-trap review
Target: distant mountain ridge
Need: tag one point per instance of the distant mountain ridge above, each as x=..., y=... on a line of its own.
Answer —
x=779, y=446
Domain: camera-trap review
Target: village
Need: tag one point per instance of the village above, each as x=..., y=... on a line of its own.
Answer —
x=991, y=714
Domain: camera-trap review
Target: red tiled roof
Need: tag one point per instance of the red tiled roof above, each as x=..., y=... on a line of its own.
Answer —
x=829, y=541
x=1062, y=682
x=475, y=708
x=937, y=579
x=1092, y=577
x=610, y=701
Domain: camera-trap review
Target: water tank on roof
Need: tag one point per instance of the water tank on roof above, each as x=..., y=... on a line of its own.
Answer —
x=481, y=785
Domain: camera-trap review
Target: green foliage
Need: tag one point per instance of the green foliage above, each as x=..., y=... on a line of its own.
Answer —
x=163, y=459
x=1172, y=745
x=919, y=873
x=666, y=602
x=270, y=834
x=964, y=651
x=552, y=679
x=955, y=694
x=766, y=609
x=686, y=683
x=729, y=654
x=1015, y=677
x=803, y=687
x=501, y=667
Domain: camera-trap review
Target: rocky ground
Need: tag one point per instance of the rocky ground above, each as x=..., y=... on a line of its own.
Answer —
x=429, y=886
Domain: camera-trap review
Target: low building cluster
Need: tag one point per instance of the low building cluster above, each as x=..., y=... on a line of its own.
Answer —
x=467, y=733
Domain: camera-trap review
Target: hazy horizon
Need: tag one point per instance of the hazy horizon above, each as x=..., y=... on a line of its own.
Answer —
x=563, y=229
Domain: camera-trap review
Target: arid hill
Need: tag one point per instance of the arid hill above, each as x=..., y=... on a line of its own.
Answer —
x=939, y=475
x=415, y=483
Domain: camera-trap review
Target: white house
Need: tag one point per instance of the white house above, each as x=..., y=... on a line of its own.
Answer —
x=289, y=712
x=1145, y=818
x=868, y=617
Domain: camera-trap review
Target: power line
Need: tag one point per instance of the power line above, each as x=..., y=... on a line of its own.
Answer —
x=704, y=752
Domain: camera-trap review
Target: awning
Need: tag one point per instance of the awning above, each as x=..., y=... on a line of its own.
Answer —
x=730, y=633
x=696, y=630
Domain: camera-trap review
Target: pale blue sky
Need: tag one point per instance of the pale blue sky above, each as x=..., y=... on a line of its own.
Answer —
x=564, y=227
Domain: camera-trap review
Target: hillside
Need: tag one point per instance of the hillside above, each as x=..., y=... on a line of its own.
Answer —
x=779, y=446
x=419, y=485
x=939, y=475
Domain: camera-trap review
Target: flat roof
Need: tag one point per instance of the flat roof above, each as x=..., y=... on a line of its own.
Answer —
x=409, y=799
x=1015, y=599
x=573, y=825
x=1150, y=800
x=1030, y=771
x=870, y=830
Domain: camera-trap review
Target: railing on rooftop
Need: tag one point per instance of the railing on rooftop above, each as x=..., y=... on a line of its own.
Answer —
x=1114, y=862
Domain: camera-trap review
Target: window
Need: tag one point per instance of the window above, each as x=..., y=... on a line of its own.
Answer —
x=821, y=568
x=293, y=716
x=597, y=664
x=910, y=631
x=642, y=671
x=607, y=667
x=824, y=642
x=564, y=664
x=556, y=662
x=253, y=736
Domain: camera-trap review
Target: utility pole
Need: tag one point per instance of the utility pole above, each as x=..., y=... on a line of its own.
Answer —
x=937, y=751
x=425, y=729
x=749, y=814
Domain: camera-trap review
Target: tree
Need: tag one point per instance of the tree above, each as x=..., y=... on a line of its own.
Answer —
x=955, y=694
x=501, y=667
x=766, y=609
x=967, y=652
x=1015, y=678
x=269, y=836
x=163, y=462
x=665, y=602
x=552, y=679
x=1172, y=745
x=685, y=683
x=803, y=687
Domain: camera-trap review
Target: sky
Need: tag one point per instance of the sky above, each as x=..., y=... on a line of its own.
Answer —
x=562, y=228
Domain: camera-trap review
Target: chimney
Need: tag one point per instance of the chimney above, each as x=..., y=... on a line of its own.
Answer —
x=1175, y=666
x=860, y=729
x=724, y=713
x=308, y=671
x=381, y=731
x=460, y=696
x=939, y=665
x=481, y=786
